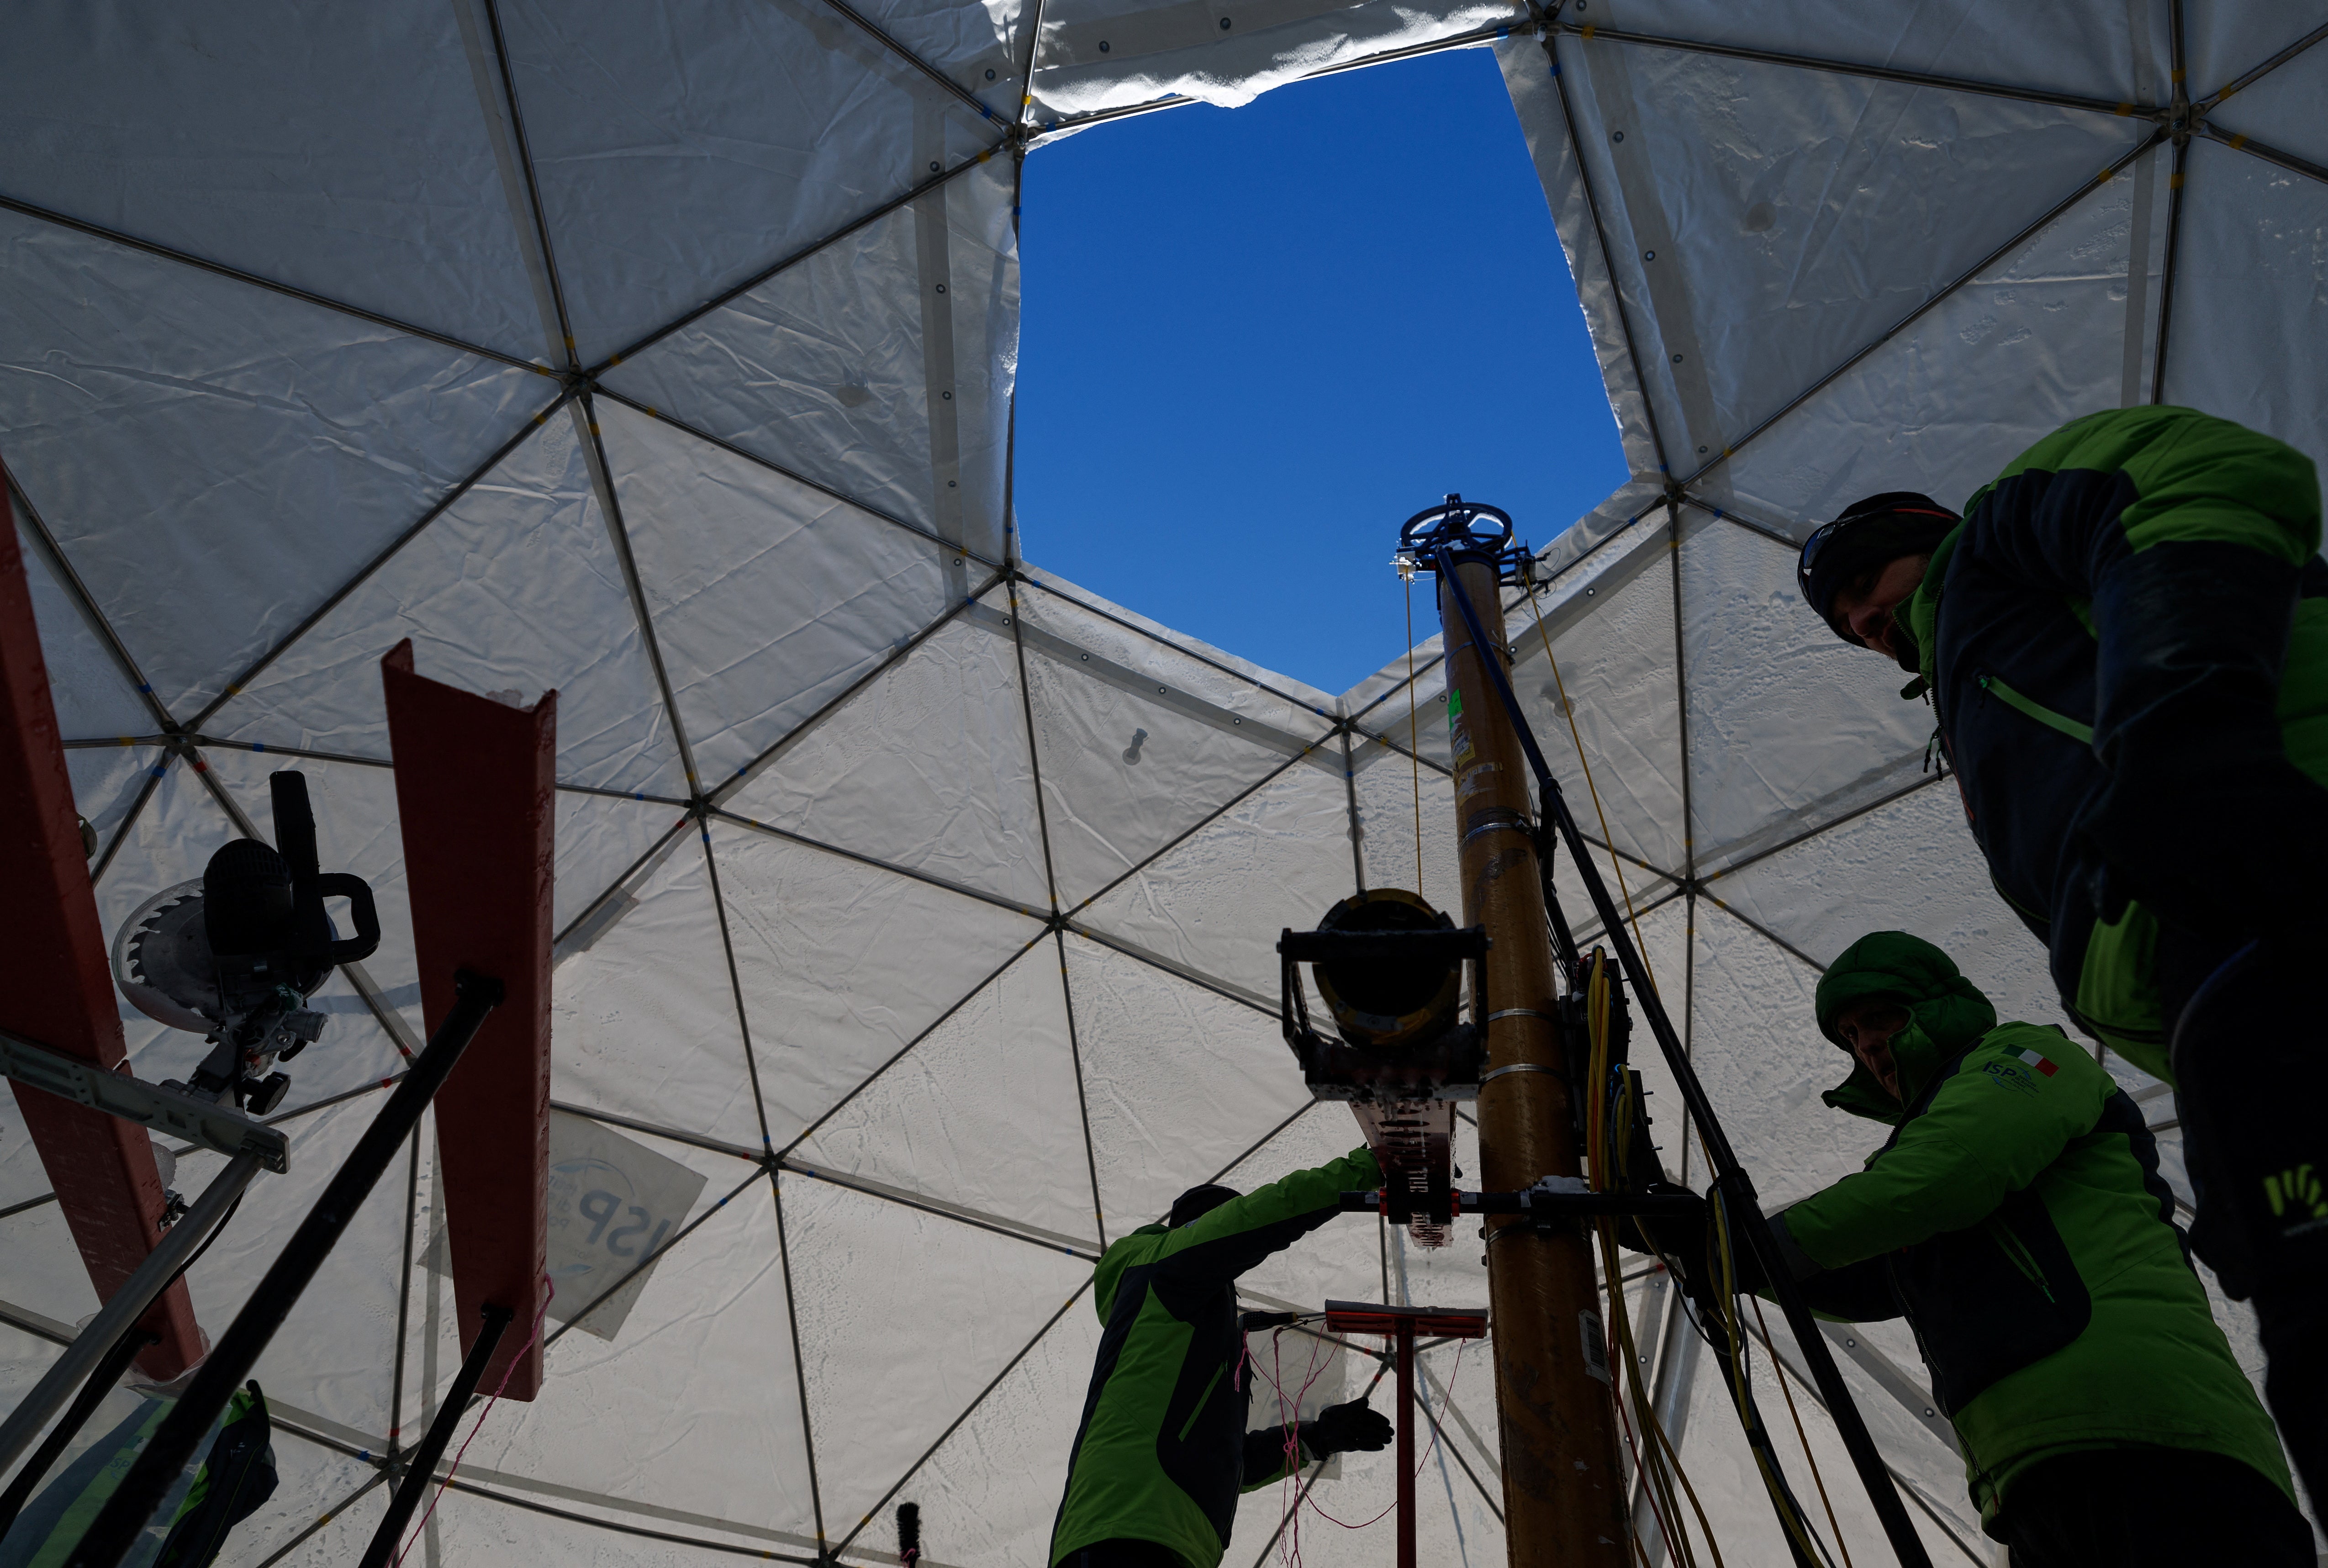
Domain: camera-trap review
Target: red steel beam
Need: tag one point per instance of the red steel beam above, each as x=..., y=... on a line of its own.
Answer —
x=474, y=788
x=55, y=988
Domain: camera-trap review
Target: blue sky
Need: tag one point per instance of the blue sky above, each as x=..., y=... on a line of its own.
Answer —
x=1256, y=340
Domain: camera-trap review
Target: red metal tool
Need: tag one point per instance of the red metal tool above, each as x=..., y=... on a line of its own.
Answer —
x=1403, y=1326
x=474, y=790
x=55, y=988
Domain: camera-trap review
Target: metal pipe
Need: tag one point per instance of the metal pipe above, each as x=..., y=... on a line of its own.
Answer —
x=1730, y=1175
x=433, y=1443
x=116, y=1528
x=1563, y=1482
x=120, y=1315
x=1406, y=1444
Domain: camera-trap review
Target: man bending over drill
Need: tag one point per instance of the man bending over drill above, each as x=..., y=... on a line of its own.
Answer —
x=2017, y=1220
x=1153, y=1479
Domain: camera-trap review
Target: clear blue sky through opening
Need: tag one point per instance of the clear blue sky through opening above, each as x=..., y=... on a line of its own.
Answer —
x=1256, y=340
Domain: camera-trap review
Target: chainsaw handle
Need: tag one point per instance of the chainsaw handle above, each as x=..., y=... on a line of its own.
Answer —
x=361, y=910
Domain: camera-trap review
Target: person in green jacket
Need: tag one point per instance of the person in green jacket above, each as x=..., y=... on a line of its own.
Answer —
x=2016, y=1219
x=1163, y=1453
x=2125, y=642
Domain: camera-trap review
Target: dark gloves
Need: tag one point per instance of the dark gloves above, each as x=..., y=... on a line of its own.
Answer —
x=2204, y=818
x=1345, y=1428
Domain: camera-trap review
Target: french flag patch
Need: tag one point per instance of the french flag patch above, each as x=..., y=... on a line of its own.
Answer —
x=2043, y=1066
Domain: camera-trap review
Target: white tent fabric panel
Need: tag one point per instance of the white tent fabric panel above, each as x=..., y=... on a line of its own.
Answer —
x=880, y=366
x=517, y=587
x=979, y=1111
x=922, y=902
x=174, y=132
x=924, y=770
x=195, y=443
x=696, y=148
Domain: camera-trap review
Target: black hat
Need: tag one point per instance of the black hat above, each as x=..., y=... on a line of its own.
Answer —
x=1870, y=533
x=1198, y=1201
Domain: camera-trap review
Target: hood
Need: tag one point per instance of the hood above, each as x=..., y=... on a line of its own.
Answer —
x=1136, y=1248
x=1920, y=614
x=1946, y=1014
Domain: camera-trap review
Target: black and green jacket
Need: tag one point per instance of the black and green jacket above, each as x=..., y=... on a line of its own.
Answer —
x=1162, y=1452
x=2016, y=1218
x=2127, y=645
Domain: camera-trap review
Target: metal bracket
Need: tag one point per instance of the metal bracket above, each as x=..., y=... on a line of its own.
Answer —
x=216, y=1127
x=1543, y=1202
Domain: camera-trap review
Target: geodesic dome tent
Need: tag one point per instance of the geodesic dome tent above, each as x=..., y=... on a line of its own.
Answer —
x=916, y=906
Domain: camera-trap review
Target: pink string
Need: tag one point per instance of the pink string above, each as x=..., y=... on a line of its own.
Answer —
x=1445, y=1400
x=550, y=1292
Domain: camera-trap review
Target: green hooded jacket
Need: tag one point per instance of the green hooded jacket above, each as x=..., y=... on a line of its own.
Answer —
x=2140, y=580
x=2017, y=1219
x=1162, y=1454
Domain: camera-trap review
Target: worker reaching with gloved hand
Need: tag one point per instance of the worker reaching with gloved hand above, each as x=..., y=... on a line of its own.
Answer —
x=1163, y=1453
x=2125, y=641
x=2017, y=1220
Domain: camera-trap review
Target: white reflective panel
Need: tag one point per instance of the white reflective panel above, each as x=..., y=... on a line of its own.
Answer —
x=346, y=153
x=843, y=965
x=1790, y=727
x=215, y=460
x=679, y=155
x=1180, y=1081
x=769, y=599
x=828, y=368
x=1276, y=849
x=644, y=1023
x=515, y=587
x=1138, y=742
x=707, y=1348
x=1999, y=364
x=2253, y=266
x=2091, y=48
x=912, y=1317
x=1757, y=256
x=926, y=768
x=984, y=1113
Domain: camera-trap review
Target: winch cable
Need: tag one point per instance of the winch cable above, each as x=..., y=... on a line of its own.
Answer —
x=1568, y=711
x=1413, y=726
x=1598, y=1144
x=1604, y=1147
x=1731, y=1178
x=1807, y=1547
x=1802, y=1437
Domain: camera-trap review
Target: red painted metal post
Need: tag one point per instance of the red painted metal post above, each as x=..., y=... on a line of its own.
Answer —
x=55, y=987
x=474, y=788
x=1406, y=1442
